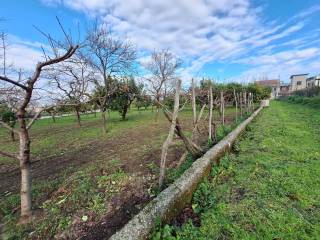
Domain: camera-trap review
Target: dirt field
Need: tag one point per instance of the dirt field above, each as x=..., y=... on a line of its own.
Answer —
x=134, y=144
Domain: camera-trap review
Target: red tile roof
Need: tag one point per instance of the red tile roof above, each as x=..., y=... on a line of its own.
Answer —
x=275, y=82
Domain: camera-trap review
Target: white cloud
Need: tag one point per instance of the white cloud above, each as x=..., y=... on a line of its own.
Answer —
x=203, y=31
x=283, y=64
x=23, y=54
x=276, y=58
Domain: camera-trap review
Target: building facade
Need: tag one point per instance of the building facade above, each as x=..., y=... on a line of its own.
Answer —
x=273, y=84
x=284, y=89
x=313, y=81
x=298, y=82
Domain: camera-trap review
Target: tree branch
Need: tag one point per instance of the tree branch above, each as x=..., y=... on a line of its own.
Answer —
x=13, y=82
x=10, y=155
x=35, y=117
x=41, y=65
x=8, y=127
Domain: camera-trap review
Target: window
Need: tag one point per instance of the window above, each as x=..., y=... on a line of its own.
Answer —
x=299, y=83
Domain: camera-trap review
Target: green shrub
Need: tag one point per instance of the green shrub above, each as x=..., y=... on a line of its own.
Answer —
x=203, y=198
x=175, y=173
x=309, y=101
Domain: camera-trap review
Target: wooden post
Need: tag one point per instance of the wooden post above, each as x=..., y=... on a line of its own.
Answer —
x=236, y=103
x=241, y=103
x=168, y=141
x=222, y=107
x=245, y=102
x=193, y=102
x=210, y=114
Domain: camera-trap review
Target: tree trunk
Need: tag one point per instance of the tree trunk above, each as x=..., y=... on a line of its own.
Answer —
x=78, y=117
x=25, y=168
x=210, y=114
x=104, y=121
x=236, y=103
x=53, y=117
x=168, y=141
x=124, y=113
x=157, y=108
x=12, y=136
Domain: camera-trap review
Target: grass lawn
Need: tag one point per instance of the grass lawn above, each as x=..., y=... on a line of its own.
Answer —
x=269, y=188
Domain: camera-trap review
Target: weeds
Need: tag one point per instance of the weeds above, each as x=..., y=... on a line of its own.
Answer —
x=270, y=188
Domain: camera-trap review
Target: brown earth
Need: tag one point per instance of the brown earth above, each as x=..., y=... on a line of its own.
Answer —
x=134, y=148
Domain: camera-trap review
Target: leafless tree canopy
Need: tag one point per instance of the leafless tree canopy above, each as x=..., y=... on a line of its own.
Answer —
x=71, y=78
x=162, y=68
x=107, y=54
x=110, y=57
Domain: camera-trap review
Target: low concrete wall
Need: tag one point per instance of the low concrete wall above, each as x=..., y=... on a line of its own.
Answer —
x=265, y=103
x=172, y=200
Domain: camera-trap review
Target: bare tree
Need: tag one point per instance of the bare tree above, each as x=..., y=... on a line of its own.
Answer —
x=72, y=78
x=169, y=138
x=162, y=70
x=110, y=57
x=27, y=88
x=52, y=110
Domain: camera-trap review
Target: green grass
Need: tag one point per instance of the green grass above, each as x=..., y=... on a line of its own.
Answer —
x=63, y=136
x=46, y=136
x=269, y=188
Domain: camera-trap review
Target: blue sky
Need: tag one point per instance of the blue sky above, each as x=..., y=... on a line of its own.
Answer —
x=226, y=39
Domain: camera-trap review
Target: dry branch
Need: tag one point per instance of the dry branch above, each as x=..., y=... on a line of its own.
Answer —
x=10, y=155
x=169, y=138
x=9, y=127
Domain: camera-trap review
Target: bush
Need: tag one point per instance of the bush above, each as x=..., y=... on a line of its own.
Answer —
x=309, y=101
x=309, y=92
